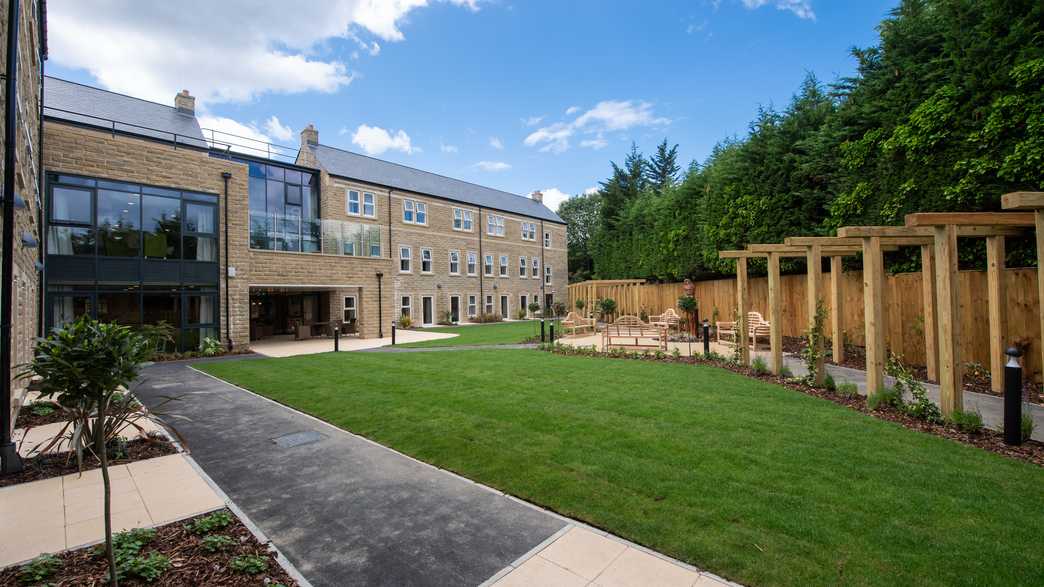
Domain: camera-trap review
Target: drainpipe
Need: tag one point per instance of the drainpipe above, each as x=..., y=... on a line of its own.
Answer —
x=41, y=327
x=380, y=307
x=225, y=175
x=481, y=266
x=10, y=462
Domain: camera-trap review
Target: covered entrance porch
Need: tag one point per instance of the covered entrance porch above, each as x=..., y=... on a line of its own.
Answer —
x=302, y=312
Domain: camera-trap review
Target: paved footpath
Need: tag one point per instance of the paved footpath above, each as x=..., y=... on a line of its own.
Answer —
x=347, y=511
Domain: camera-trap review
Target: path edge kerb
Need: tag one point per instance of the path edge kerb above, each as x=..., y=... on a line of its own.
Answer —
x=564, y=519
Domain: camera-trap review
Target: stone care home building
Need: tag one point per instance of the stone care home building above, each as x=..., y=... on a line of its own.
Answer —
x=129, y=211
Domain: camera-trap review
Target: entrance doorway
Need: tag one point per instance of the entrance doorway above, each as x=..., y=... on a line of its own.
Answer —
x=523, y=305
x=504, y=306
x=427, y=310
x=455, y=309
x=549, y=300
x=281, y=313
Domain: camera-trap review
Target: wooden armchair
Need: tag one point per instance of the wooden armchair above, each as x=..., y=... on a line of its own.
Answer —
x=575, y=323
x=669, y=319
x=756, y=326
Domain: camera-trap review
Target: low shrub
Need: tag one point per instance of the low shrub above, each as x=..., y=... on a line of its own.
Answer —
x=216, y=542
x=968, y=422
x=759, y=366
x=847, y=389
x=521, y=314
x=210, y=347
x=250, y=564
x=786, y=373
x=919, y=406
x=405, y=321
x=38, y=570
x=147, y=568
x=485, y=318
x=209, y=523
x=42, y=408
x=1027, y=426
x=828, y=383
x=126, y=548
x=885, y=397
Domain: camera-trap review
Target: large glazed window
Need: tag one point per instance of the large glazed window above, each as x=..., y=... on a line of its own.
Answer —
x=284, y=209
x=161, y=227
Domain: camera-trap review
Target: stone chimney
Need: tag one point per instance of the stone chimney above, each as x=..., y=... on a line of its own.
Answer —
x=309, y=135
x=185, y=103
x=537, y=197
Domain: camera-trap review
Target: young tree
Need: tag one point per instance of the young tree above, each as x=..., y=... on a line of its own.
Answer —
x=663, y=167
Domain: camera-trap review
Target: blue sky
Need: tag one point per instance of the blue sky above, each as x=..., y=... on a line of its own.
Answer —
x=518, y=95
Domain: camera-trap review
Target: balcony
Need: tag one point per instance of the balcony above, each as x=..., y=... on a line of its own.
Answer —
x=280, y=232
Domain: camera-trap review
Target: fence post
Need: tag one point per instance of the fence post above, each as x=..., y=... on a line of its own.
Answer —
x=1013, y=398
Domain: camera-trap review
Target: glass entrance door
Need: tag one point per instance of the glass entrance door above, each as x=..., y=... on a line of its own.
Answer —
x=428, y=310
x=455, y=309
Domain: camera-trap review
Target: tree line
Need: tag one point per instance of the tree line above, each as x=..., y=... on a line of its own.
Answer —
x=945, y=113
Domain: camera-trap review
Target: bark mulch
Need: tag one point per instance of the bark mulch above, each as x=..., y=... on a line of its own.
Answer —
x=63, y=463
x=190, y=562
x=28, y=419
x=855, y=358
x=1030, y=451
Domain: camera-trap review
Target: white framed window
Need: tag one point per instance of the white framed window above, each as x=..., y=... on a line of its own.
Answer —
x=369, y=208
x=547, y=240
x=494, y=225
x=547, y=275
x=503, y=265
x=405, y=306
x=425, y=260
x=472, y=263
x=487, y=267
x=454, y=262
x=536, y=267
x=352, y=203
x=463, y=220
x=350, y=309
x=414, y=212
x=405, y=256
x=523, y=272
x=529, y=231
x=472, y=306
x=489, y=304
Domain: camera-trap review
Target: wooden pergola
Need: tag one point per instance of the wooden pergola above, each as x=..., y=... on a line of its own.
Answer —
x=1032, y=202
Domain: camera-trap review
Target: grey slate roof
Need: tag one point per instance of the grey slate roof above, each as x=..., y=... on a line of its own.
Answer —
x=82, y=104
x=367, y=169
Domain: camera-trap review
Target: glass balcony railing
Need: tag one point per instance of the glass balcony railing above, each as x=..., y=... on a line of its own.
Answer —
x=280, y=232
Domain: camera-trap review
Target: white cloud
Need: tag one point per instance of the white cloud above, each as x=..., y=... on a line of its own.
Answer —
x=248, y=138
x=493, y=166
x=231, y=51
x=277, y=129
x=375, y=140
x=606, y=116
x=532, y=120
x=801, y=8
x=496, y=143
x=591, y=190
x=553, y=197
x=572, y=110
x=448, y=148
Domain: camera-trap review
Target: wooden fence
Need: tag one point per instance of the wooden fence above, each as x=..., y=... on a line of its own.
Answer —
x=903, y=309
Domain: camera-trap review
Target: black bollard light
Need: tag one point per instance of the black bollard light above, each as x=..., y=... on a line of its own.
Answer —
x=337, y=337
x=552, y=334
x=1013, y=398
x=542, y=335
x=706, y=338
x=393, y=334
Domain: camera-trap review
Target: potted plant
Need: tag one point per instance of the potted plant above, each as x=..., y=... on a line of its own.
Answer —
x=688, y=305
x=579, y=303
x=606, y=308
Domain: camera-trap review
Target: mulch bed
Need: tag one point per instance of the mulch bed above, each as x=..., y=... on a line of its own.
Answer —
x=1030, y=451
x=855, y=358
x=27, y=419
x=63, y=463
x=191, y=564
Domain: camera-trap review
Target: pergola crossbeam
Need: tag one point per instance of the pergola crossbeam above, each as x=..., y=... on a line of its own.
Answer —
x=990, y=219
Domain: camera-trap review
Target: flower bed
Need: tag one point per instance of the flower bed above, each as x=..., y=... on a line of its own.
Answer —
x=57, y=464
x=1030, y=451
x=212, y=549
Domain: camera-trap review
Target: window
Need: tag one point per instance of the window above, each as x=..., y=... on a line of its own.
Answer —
x=369, y=205
x=547, y=274
x=404, y=306
x=503, y=265
x=284, y=209
x=454, y=262
x=472, y=309
x=414, y=212
x=353, y=203
x=487, y=267
x=529, y=231
x=71, y=205
x=404, y=259
x=425, y=260
x=522, y=267
x=462, y=219
x=536, y=268
x=547, y=240
x=161, y=227
x=472, y=263
x=200, y=225
x=350, y=313
x=489, y=304
x=494, y=225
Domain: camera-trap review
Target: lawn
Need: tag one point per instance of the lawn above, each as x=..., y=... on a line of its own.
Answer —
x=757, y=483
x=494, y=333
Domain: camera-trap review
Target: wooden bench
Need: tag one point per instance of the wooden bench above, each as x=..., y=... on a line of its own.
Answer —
x=573, y=322
x=630, y=332
x=756, y=326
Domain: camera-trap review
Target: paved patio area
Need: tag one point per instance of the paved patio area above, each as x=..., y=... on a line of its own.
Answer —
x=66, y=512
x=278, y=347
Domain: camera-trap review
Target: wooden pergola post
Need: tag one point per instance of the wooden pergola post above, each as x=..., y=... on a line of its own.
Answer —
x=741, y=310
x=997, y=309
x=873, y=302
x=931, y=350
x=837, y=335
x=814, y=260
x=775, y=315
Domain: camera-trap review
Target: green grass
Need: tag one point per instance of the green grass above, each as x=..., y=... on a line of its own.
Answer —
x=760, y=484
x=494, y=333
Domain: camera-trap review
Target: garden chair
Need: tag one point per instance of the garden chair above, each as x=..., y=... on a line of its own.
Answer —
x=669, y=319
x=573, y=322
x=756, y=326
